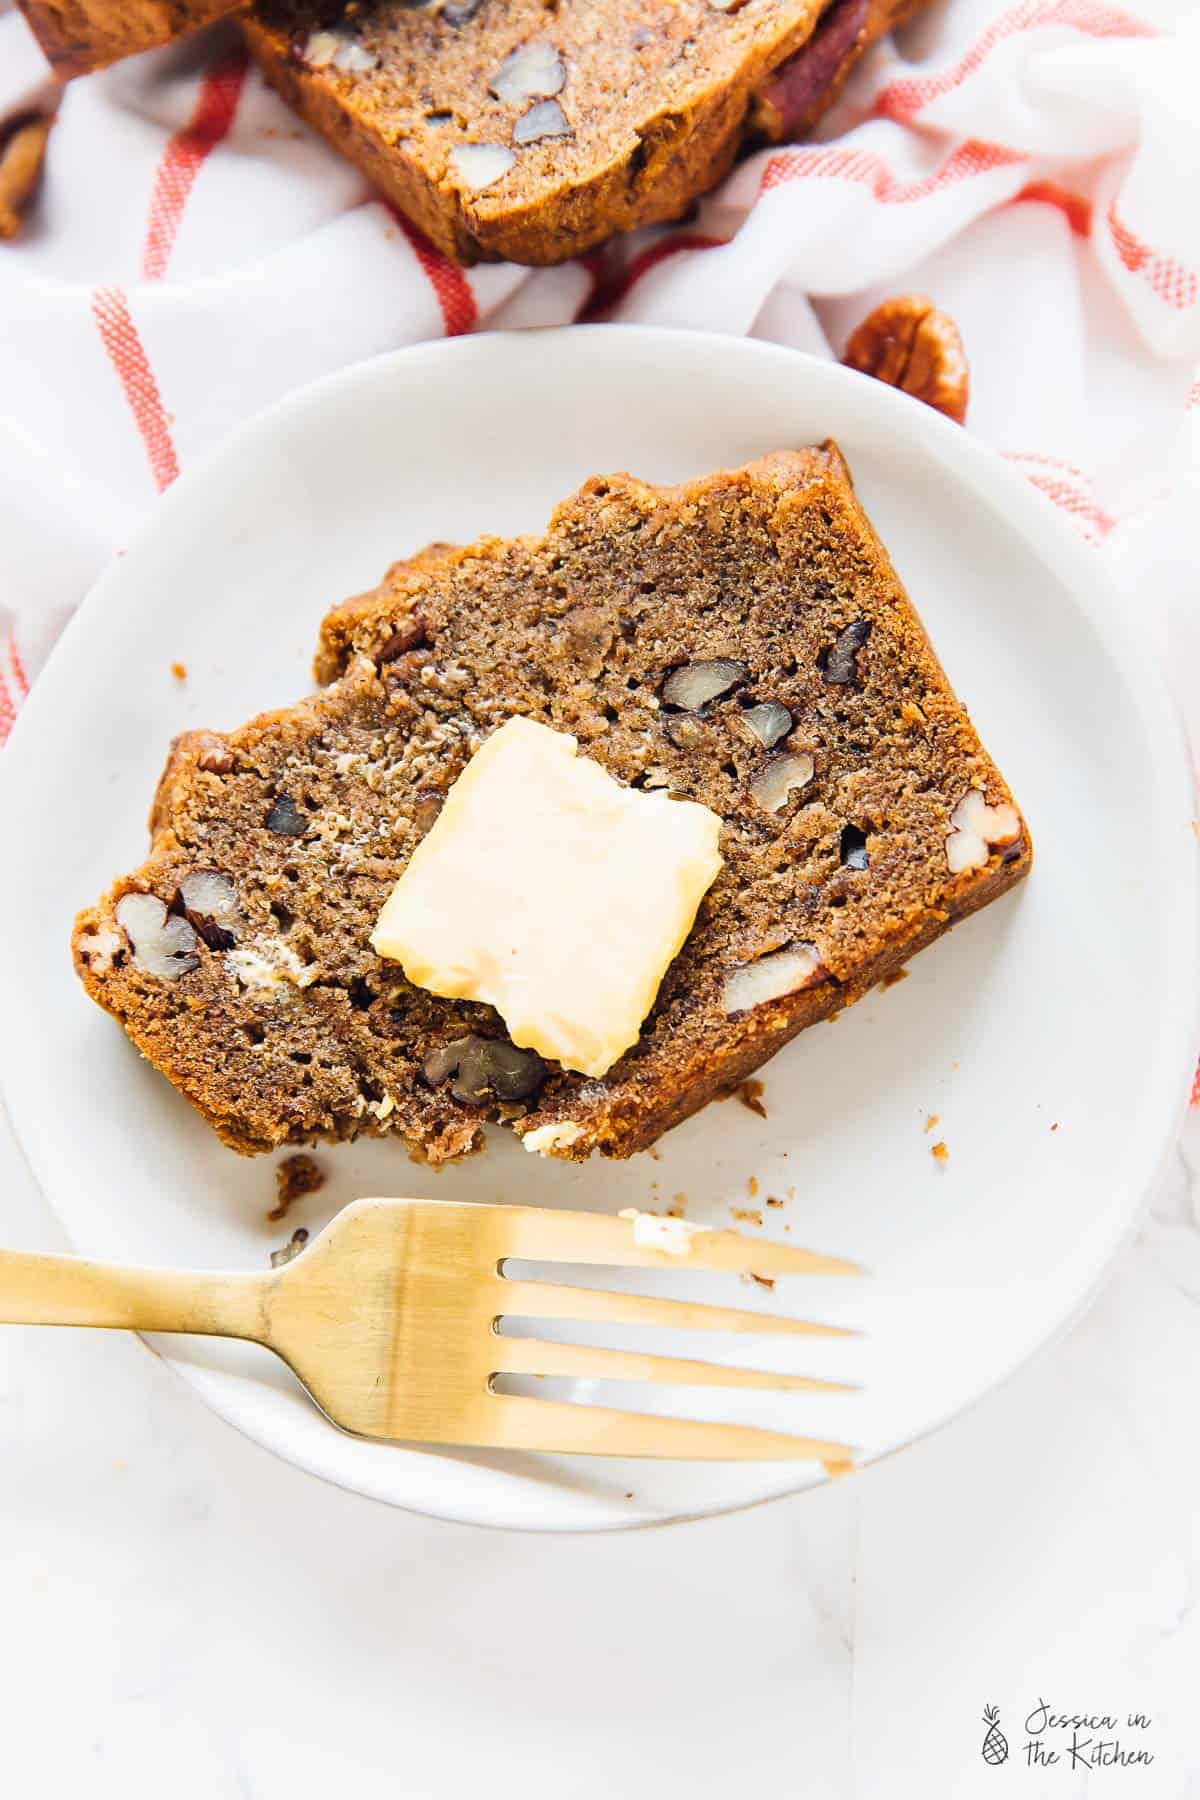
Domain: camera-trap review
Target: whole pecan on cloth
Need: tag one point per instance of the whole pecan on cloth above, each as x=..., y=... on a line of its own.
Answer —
x=909, y=344
x=22, y=147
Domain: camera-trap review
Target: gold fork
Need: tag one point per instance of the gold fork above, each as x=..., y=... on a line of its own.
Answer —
x=390, y=1318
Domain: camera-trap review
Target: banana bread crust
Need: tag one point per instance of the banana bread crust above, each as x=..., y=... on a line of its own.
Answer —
x=81, y=35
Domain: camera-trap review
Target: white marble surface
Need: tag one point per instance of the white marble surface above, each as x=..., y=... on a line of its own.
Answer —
x=185, y=1616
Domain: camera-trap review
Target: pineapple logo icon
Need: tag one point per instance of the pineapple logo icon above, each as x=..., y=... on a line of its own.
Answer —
x=995, y=1744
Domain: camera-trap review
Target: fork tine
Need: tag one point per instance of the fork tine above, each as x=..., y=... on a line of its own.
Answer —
x=548, y=1300
x=534, y=1356
x=538, y=1234
x=522, y=1422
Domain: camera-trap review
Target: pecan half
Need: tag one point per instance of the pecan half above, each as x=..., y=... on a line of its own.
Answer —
x=409, y=634
x=909, y=344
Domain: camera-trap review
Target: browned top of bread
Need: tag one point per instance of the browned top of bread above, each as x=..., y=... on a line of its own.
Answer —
x=514, y=129
x=741, y=640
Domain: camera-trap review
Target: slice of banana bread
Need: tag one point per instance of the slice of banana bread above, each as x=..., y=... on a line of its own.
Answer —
x=741, y=640
x=80, y=35
x=520, y=130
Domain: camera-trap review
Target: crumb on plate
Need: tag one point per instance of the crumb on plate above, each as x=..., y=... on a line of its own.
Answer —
x=836, y=1466
x=291, y=1249
x=295, y=1176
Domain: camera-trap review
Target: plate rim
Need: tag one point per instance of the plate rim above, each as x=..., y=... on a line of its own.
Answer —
x=993, y=481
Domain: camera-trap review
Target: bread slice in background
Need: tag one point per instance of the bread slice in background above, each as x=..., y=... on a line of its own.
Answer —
x=644, y=104
x=81, y=35
x=510, y=129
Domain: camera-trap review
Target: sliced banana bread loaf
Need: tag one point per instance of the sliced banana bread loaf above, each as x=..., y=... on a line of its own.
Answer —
x=521, y=130
x=741, y=640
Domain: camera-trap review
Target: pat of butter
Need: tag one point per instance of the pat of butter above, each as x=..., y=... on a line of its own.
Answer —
x=553, y=893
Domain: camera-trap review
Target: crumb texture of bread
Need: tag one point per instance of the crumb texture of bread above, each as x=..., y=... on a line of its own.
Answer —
x=511, y=130
x=741, y=640
x=81, y=35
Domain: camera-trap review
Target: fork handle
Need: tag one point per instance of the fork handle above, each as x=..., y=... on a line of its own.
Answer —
x=70, y=1290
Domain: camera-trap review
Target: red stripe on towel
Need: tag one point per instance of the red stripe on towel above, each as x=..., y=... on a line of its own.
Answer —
x=905, y=98
x=185, y=155
x=1075, y=209
x=1174, y=283
x=450, y=285
x=611, y=291
x=871, y=171
x=119, y=334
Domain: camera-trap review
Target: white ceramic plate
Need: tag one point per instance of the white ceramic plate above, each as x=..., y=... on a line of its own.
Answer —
x=1051, y=1035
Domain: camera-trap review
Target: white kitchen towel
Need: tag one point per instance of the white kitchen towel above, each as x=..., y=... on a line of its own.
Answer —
x=196, y=253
